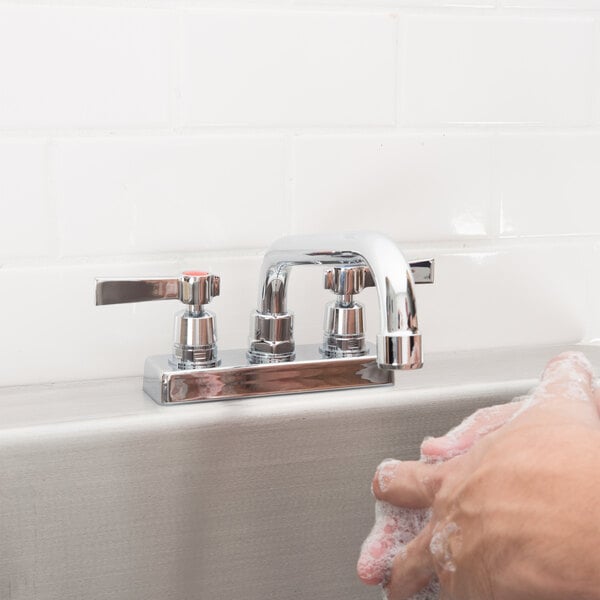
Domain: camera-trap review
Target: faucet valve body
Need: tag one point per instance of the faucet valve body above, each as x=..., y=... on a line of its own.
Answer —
x=195, y=331
x=344, y=319
x=272, y=338
x=194, y=340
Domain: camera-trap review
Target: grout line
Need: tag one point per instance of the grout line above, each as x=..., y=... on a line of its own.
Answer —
x=290, y=181
x=595, y=72
x=53, y=195
x=177, y=74
x=463, y=246
x=399, y=70
x=489, y=9
x=262, y=132
x=495, y=204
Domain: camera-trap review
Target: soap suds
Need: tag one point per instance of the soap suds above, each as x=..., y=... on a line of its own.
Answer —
x=386, y=472
x=394, y=528
x=461, y=438
x=569, y=375
x=444, y=537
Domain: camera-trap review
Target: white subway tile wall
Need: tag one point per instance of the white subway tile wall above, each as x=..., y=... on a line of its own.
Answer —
x=527, y=70
x=170, y=194
x=412, y=187
x=27, y=225
x=297, y=68
x=157, y=136
x=549, y=184
x=85, y=67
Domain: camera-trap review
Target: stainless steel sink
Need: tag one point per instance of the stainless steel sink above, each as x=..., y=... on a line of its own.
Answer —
x=106, y=495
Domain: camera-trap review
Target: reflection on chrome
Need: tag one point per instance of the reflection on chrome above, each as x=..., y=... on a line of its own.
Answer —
x=398, y=341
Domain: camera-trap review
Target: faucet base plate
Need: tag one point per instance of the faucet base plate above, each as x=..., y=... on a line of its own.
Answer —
x=236, y=378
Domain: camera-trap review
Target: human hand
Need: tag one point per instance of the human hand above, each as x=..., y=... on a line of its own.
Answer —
x=500, y=519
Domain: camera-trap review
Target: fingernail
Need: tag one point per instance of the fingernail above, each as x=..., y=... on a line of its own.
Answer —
x=386, y=472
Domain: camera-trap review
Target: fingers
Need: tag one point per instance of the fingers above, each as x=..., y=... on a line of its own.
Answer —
x=376, y=555
x=412, y=568
x=410, y=484
x=568, y=376
x=394, y=528
x=569, y=360
x=463, y=437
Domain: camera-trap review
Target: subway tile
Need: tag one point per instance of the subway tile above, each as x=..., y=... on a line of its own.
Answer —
x=91, y=67
x=498, y=70
x=274, y=69
x=84, y=341
x=410, y=187
x=548, y=184
x=119, y=196
x=28, y=221
x=505, y=297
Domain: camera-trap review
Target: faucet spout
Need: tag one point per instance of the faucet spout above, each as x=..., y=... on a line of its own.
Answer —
x=398, y=341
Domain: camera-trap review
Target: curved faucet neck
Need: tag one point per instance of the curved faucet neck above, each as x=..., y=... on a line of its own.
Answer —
x=398, y=339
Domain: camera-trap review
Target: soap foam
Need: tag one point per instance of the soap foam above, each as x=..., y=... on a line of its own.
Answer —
x=386, y=472
x=440, y=546
x=461, y=438
x=394, y=528
x=568, y=375
x=568, y=364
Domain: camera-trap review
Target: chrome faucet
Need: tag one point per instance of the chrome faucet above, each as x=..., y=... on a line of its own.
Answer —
x=197, y=371
x=398, y=341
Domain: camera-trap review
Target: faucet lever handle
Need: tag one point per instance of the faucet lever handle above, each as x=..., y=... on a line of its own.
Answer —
x=348, y=280
x=194, y=288
x=423, y=271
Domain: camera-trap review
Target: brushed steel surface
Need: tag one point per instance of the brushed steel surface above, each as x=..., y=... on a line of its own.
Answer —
x=106, y=495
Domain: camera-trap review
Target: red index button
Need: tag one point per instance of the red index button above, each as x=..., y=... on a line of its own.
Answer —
x=195, y=273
